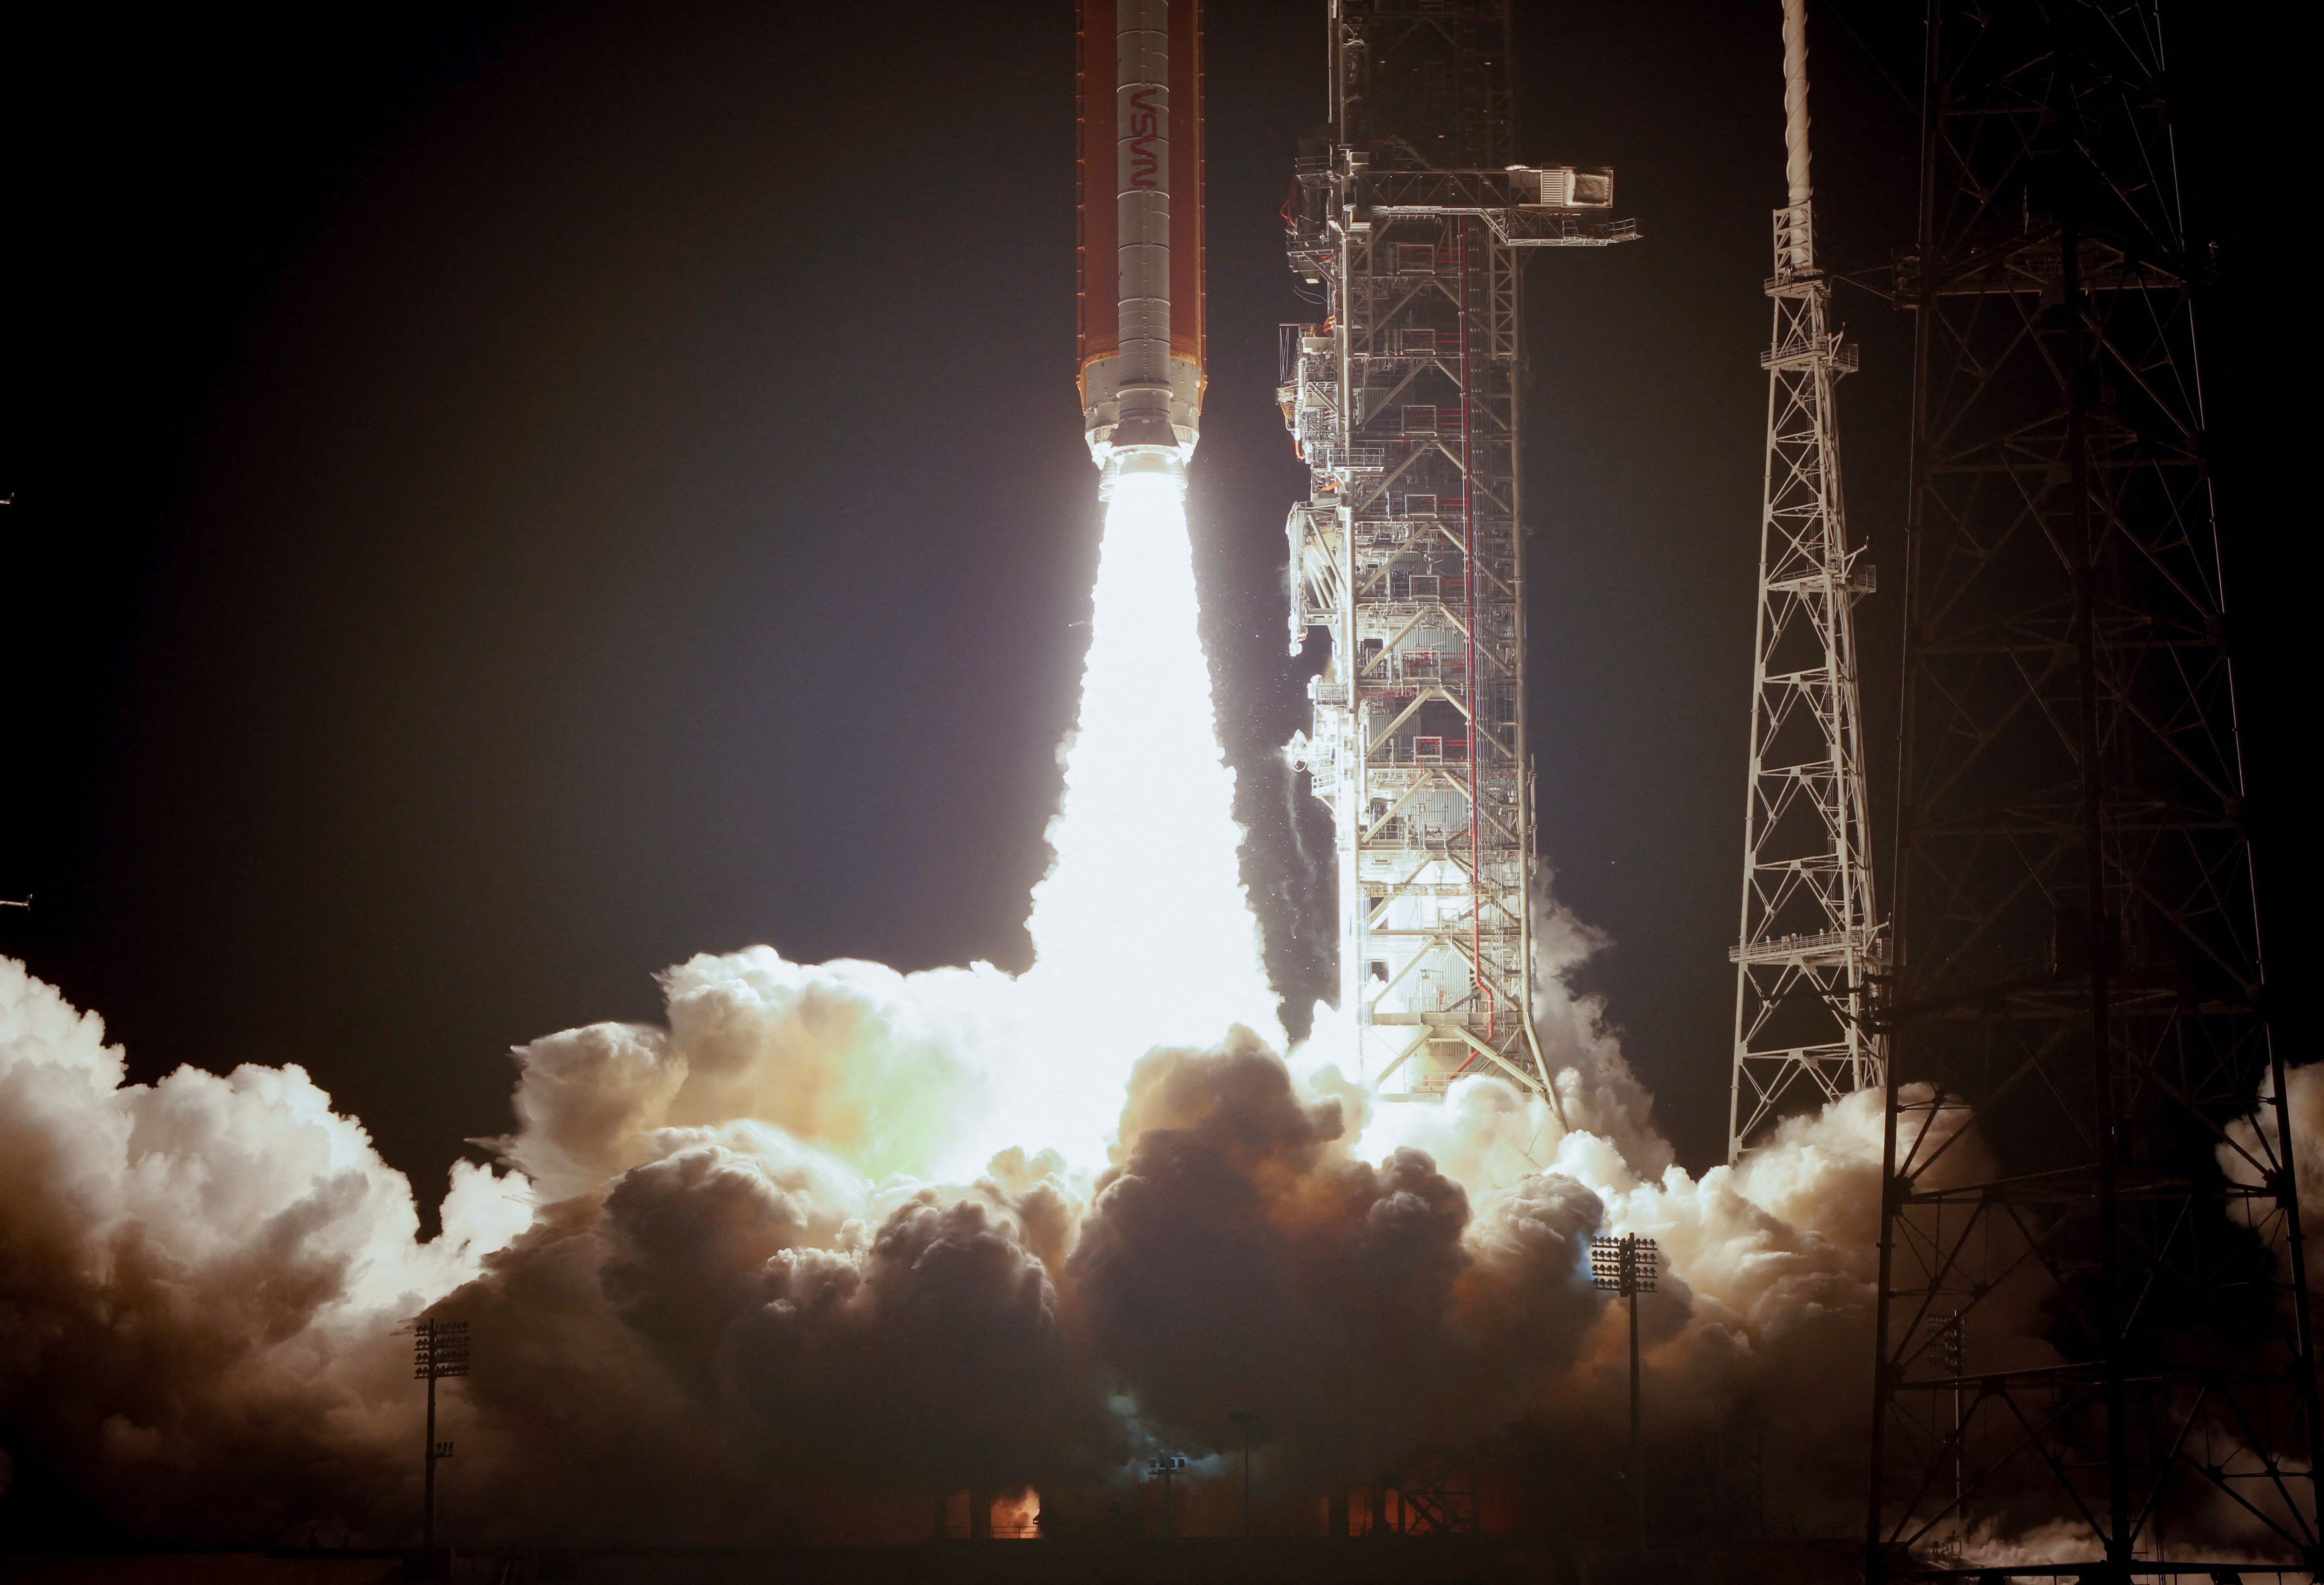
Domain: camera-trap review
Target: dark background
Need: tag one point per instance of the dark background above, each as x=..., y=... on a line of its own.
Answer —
x=508, y=496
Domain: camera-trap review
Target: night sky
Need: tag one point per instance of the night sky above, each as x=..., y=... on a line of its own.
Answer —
x=507, y=497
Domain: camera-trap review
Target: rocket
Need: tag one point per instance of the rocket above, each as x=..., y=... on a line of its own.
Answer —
x=1141, y=94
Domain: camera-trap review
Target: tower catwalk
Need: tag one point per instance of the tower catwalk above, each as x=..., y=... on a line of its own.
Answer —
x=2093, y=1337
x=1808, y=936
x=1405, y=554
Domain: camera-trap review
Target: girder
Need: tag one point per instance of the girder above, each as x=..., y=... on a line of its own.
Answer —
x=1802, y=1034
x=1406, y=552
x=2127, y=1388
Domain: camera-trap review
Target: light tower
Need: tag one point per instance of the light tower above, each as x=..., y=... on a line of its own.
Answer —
x=439, y=1352
x=1809, y=937
x=1628, y=1267
x=1403, y=401
x=2119, y=1251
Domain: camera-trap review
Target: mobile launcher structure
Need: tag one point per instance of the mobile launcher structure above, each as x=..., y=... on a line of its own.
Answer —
x=1412, y=227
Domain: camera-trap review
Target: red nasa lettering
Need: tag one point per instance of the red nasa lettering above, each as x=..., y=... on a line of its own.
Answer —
x=1146, y=136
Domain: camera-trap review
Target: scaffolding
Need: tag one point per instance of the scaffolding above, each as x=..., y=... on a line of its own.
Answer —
x=1411, y=227
x=1808, y=940
x=2093, y=1340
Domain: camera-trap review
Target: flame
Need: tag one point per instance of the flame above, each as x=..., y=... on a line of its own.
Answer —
x=1017, y=1516
x=1142, y=930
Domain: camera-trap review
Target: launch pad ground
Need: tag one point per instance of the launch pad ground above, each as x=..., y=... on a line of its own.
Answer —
x=1402, y=1561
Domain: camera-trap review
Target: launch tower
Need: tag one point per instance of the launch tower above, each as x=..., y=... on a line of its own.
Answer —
x=1412, y=225
x=1809, y=938
x=2093, y=1303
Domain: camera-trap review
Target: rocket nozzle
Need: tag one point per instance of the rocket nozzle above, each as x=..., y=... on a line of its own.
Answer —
x=1136, y=464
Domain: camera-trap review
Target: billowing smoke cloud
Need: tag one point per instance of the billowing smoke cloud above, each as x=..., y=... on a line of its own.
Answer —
x=711, y=1299
x=2244, y=1154
x=200, y=1281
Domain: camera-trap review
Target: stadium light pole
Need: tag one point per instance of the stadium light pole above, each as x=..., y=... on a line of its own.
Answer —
x=440, y=1349
x=1245, y=1423
x=1626, y=1266
x=1165, y=1466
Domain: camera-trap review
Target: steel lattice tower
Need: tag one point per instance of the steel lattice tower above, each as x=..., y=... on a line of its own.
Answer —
x=1403, y=403
x=2093, y=1309
x=1809, y=937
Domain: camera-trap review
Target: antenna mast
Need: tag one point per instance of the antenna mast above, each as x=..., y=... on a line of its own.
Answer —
x=1809, y=937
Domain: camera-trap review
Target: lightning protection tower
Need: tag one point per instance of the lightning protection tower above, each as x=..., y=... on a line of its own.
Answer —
x=1412, y=225
x=1809, y=938
x=2124, y=1385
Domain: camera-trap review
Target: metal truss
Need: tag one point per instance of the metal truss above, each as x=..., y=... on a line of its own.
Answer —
x=1809, y=939
x=1403, y=404
x=2093, y=1327
x=1435, y=1494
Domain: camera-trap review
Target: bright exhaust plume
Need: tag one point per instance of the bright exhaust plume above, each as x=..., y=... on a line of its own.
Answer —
x=1142, y=930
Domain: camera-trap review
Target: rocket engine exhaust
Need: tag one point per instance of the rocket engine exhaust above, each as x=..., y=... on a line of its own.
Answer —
x=1140, y=95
